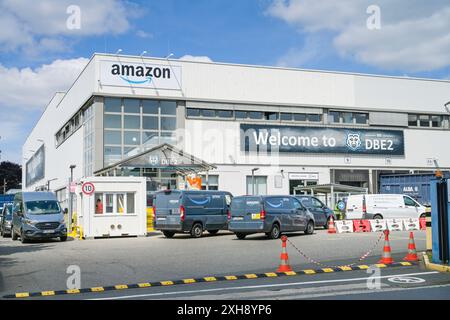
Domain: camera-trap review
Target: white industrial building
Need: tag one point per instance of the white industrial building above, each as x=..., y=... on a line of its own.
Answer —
x=242, y=128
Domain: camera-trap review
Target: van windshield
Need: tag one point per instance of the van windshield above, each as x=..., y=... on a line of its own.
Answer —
x=42, y=207
x=167, y=200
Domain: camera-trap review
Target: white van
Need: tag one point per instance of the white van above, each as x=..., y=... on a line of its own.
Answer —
x=383, y=206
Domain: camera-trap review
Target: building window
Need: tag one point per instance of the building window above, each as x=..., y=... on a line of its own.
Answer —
x=314, y=117
x=112, y=137
x=88, y=140
x=436, y=121
x=131, y=122
x=143, y=124
x=213, y=182
x=208, y=113
x=225, y=113
x=361, y=118
x=132, y=138
x=150, y=107
x=240, y=114
x=131, y=106
x=256, y=115
x=347, y=117
x=191, y=112
x=412, y=120
x=334, y=117
x=168, y=107
x=299, y=117
x=286, y=116
x=271, y=115
x=424, y=120
x=113, y=105
x=256, y=185
x=113, y=121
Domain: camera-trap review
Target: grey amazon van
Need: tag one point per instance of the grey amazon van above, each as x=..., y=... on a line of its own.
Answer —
x=37, y=215
x=271, y=215
x=182, y=211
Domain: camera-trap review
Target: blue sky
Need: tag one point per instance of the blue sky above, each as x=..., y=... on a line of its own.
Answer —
x=413, y=39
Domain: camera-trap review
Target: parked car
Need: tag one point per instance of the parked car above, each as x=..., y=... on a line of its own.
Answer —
x=5, y=220
x=320, y=211
x=383, y=206
x=37, y=215
x=271, y=215
x=183, y=211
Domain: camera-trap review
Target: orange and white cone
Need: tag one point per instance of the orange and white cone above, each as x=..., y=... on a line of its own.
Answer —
x=284, y=265
x=331, y=226
x=386, y=257
x=412, y=253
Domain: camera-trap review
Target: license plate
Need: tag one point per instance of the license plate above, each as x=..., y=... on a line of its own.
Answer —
x=49, y=231
x=238, y=218
x=256, y=216
x=161, y=219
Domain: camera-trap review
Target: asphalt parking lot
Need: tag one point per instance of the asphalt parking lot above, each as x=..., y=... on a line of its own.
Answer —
x=41, y=266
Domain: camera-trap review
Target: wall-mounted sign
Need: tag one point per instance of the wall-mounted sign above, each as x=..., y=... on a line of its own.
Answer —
x=303, y=176
x=121, y=73
x=35, y=167
x=321, y=140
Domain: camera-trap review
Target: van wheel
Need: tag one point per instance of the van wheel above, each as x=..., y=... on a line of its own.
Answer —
x=23, y=239
x=13, y=234
x=168, y=234
x=240, y=236
x=275, y=232
x=197, y=230
x=378, y=217
x=326, y=224
x=63, y=238
x=309, y=228
x=213, y=232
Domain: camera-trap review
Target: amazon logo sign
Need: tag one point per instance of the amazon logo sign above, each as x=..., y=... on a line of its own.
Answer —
x=143, y=74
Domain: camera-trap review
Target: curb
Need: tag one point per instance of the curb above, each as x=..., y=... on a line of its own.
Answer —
x=434, y=266
x=200, y=280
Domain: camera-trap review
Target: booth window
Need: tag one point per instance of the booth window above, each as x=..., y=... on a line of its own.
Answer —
x=115, y=203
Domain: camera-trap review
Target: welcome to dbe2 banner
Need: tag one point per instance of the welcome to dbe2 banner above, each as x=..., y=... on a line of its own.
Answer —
x=322, y=140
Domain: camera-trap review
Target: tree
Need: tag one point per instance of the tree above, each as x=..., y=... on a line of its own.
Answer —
x=11, y=173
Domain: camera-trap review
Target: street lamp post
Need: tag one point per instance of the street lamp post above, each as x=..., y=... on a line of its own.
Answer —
x=253, y=180
x=70, y=197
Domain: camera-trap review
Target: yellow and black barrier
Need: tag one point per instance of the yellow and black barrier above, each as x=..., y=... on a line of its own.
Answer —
x=201, y=280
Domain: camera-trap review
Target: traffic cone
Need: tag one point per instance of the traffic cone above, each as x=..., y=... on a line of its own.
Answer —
x=284, y=265
x=386, y=257
x=331, y=226
x=412, y=253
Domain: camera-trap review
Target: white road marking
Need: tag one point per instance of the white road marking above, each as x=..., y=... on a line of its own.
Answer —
x=260, y=286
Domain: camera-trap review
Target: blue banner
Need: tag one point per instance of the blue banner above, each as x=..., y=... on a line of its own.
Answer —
x=321, y=140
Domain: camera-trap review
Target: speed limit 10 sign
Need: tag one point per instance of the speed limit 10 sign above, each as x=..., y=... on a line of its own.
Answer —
x=88, y=188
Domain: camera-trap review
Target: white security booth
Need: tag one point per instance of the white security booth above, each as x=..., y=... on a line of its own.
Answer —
x=112, y=206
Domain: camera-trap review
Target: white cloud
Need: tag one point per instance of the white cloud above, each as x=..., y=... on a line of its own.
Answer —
x=196, y=58
x=144, y=35
x=414, y=35
x=28, y=88
x=312, y=50
x=23, y=96
x=24, y=22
